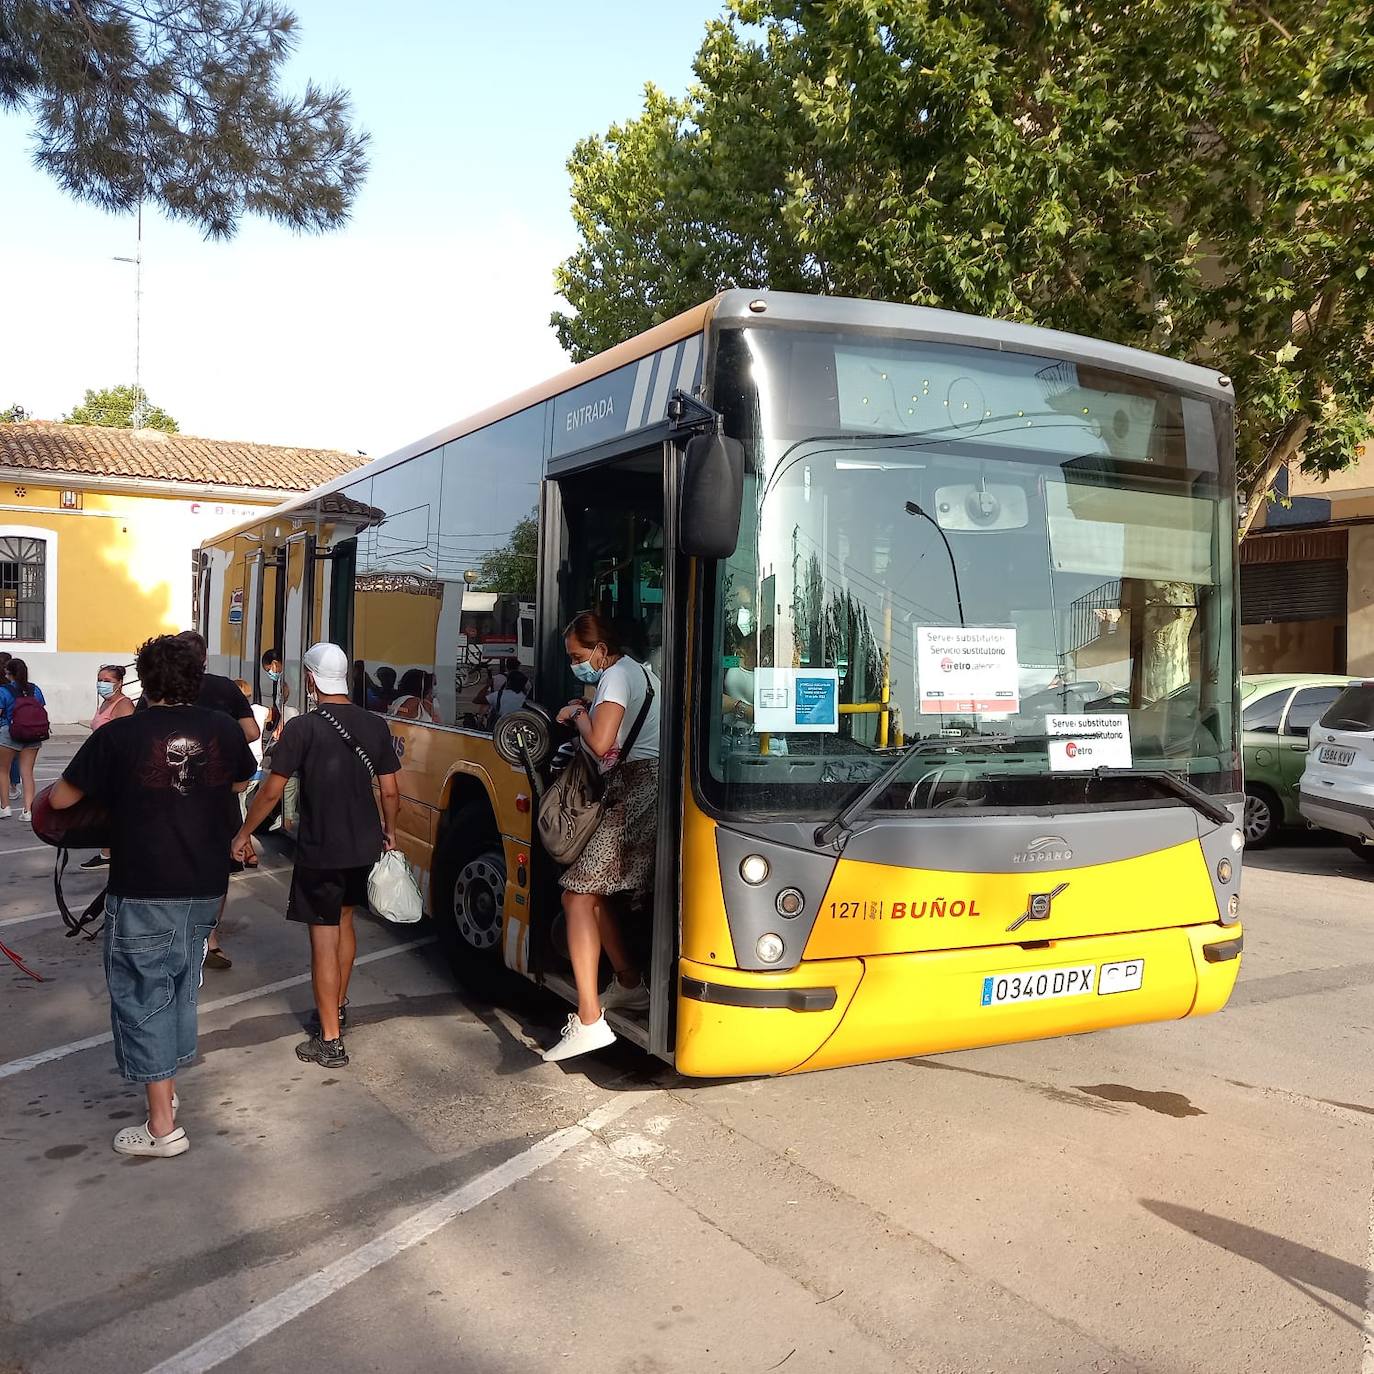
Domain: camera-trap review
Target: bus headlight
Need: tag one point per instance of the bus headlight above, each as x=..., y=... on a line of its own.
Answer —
x=753, y=869
x=790, y=903
x=769, y=948
x=1224, y=871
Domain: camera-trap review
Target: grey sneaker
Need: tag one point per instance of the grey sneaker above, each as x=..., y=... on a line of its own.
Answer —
x=328, y=1054
x=618, y=997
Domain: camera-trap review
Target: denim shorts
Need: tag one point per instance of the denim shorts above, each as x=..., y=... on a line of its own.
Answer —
x=154, y=949
x=7, y=741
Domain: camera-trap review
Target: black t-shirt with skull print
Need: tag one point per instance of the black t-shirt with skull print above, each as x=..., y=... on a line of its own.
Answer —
x=167, y=775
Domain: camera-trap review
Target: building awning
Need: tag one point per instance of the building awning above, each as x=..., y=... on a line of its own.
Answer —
x=1294, y=546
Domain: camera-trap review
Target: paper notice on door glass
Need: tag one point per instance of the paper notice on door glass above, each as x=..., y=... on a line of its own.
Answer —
x=796, y=699
x=967, y=669
x=1080, y=743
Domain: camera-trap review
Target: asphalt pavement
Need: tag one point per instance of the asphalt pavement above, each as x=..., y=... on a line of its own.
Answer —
x=1193, y=1196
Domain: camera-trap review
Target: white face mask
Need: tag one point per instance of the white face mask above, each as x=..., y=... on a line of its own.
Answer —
x=744, y=619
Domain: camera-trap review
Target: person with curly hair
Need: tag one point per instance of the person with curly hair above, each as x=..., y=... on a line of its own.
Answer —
x=224, y=695
x=167, y=776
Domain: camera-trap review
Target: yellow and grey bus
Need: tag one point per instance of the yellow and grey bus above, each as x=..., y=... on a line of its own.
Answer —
x=944, y=613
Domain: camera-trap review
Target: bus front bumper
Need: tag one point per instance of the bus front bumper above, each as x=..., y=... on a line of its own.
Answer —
x=832, y=1012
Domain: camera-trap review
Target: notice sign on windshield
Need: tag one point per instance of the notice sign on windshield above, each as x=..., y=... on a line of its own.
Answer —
x=967, y=669
x=1080, y=743
x=796, y=699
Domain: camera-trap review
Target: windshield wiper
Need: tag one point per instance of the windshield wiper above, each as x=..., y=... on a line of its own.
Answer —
x=838, y=828
x=1180, y=787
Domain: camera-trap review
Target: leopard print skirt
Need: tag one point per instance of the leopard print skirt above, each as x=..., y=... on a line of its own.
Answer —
x=619, y=857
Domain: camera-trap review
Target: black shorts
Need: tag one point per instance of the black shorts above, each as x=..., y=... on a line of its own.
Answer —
x=318, y=895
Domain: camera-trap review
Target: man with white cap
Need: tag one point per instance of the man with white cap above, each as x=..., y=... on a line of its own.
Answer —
x=335, y=751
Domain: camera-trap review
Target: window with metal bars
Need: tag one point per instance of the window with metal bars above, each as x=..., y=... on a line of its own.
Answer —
x=23, y=585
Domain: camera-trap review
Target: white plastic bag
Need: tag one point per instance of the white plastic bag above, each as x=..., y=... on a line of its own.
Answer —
x=392, y=891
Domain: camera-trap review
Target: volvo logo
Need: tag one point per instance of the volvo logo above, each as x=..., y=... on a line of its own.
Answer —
x=1044, y=849
x=1038, y=908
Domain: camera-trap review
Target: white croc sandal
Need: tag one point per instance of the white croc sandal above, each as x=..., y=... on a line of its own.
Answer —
x=139, y=1140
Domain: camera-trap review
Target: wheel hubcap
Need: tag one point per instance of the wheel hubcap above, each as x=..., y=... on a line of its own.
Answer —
x=1256, y=819
x=479, y=899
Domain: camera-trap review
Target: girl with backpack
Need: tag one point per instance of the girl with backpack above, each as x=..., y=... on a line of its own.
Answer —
x=23, y=728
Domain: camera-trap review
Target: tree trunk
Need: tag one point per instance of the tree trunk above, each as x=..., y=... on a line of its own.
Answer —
x=1170, y=610
x=1285, y=446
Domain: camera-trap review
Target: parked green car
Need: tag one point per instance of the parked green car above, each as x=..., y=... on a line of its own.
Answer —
x=1277, y=711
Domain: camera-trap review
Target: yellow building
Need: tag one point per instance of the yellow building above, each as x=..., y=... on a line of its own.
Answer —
x=99, y=532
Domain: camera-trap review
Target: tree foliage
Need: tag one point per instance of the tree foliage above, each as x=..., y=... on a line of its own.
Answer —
x=1194, y=177
x=176, y=102
x=114, y=407
x=512, y=569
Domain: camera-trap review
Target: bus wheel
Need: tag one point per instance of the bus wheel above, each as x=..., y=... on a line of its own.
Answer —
x=1261, y=817
x=470, y=895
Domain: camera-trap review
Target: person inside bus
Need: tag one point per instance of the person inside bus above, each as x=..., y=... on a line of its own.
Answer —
x=281, y=689
x=386, y=690
x=746, y=648
x=496, y=681
x=415, y=698
x=510, y=696
x=616, y=868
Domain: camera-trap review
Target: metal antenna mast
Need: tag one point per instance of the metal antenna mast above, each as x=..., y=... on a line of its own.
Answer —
x=140, y=409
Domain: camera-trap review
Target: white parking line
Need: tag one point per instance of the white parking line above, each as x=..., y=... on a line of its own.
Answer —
x=267, y=1317
x=32, y=916
x=28, y=849
x=1367, y=1362
x=258, y=872
x=33, y=1061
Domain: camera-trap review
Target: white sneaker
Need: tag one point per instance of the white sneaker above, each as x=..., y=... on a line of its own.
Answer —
x=618, y=997
x=4, y=813
x=580, y=1038
x=26, y=815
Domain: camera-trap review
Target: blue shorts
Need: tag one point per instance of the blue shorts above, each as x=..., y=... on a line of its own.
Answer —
x=154, y=949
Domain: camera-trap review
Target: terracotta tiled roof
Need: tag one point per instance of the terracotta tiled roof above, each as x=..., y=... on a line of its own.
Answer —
x=98, y=451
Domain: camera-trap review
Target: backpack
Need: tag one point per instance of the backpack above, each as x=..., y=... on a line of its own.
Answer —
x=29, y=721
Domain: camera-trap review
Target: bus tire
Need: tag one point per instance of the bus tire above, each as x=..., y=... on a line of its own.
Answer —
x=1263, y=816
x=469, y=894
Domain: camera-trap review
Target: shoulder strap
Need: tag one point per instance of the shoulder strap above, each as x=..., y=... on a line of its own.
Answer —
x=350, y=741
x=639, y=719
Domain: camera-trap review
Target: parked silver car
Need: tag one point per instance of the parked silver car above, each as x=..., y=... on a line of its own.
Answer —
x=1337, y=787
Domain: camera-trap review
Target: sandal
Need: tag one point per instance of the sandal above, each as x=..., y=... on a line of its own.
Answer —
x=139, y=1140
x=217, y=958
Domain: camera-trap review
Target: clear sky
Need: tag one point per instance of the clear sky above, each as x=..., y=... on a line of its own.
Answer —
x=432, y=302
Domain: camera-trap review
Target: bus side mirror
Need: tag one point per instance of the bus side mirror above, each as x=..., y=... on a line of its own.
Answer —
x=712, y=495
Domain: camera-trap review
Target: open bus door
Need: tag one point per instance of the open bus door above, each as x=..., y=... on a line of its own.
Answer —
x=608, y=547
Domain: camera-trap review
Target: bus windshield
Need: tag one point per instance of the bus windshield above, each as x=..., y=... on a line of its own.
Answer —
x=1024, y=563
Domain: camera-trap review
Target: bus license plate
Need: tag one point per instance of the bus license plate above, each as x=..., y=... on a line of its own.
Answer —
x=1330, y=754
x=1038, y=985
x=1128, y=976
